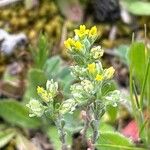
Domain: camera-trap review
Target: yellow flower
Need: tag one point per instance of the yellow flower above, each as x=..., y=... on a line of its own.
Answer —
x=69, y=43
x=40, y=90
x=93, y=32
x=78, y=45
x=92, y=68
x=99, y=77
x=43, y=94
x=82, y=31
x=109, y=72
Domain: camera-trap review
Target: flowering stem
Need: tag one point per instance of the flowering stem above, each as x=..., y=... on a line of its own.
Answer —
x=86, y=124
x=95, y=131
x=62, y=134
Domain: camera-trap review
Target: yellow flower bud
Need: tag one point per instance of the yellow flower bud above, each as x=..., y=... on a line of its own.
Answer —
x=43, y=94
x=78, y=45
x=99, y=77
x=92, y=68
x=97, y=52
x=40, y=90
x=82, y=31
x=93, y=32
x=109, y=72
x=69, y=43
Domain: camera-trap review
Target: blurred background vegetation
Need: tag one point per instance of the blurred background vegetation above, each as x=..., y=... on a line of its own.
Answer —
x=28, y=61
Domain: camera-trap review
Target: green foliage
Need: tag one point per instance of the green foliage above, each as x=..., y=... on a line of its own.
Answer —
x=114, y=141
x=137, y=7
x=139, y=62
x=41, y=53
x=36, y=77
x=122, y=52
x=6, y=135
x=17, y=114
x=54, y=137
x=52, y=67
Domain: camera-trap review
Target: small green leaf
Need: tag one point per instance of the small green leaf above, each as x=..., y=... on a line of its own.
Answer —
x=36, y=77
x=6, y=136
x=17, y=114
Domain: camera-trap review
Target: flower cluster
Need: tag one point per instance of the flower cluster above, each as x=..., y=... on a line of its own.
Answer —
x=91, y=91
x=48, y=101
x=88, y=68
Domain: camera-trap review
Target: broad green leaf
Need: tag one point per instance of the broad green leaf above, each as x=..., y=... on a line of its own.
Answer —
x=66, y=79
x=105, y=127
x=137, y=60
x=6, y=136
x=52, y=67
x=137, y=7
x=17, y=114
x=112, y=139
x=35, y=78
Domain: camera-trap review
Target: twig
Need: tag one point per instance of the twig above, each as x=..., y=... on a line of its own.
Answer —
x=86, y=124
x=4, y=3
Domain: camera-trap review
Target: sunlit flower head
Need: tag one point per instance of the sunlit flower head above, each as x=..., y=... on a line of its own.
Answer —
x=109, y=72
x=69, y=43
x=99, y=77
x=97, y=52
x=93, y=32
x=44, y=94
x=92, y=68
x=82, y=31
x=78, y=45
x=36, y=108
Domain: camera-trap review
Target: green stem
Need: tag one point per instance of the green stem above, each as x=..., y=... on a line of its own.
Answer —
x=86, y=124
x=144, y=83
x=61, y=132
